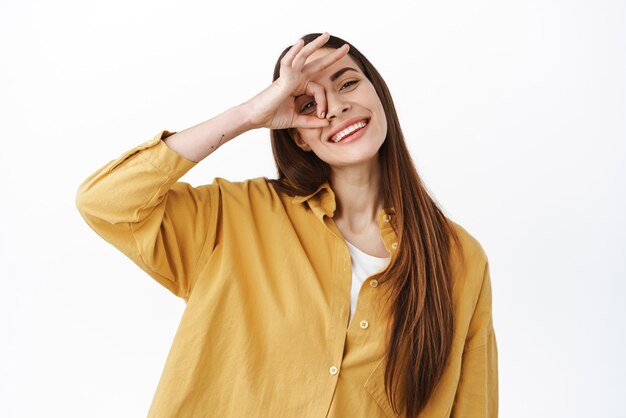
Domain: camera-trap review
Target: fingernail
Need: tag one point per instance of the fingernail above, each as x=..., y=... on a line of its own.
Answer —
x=323, y=115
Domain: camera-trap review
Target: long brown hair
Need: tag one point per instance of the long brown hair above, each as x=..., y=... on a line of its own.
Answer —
x=421, y=329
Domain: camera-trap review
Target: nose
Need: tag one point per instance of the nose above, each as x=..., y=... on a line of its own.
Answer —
x=336, y=106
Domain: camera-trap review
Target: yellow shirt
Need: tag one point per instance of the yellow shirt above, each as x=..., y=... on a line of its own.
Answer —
x=266, y=279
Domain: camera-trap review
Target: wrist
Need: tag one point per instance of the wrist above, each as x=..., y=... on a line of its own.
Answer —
x=245, y=114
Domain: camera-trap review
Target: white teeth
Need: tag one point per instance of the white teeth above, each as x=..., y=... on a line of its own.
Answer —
x=340, y=135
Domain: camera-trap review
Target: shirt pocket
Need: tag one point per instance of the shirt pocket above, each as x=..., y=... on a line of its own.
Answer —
x=375, y=386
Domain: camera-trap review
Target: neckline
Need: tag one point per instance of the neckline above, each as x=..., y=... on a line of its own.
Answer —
x=350, y=245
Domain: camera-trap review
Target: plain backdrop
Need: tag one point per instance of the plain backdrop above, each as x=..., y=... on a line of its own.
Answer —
x=514, y=113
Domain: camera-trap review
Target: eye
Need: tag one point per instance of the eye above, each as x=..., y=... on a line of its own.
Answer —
x=348, y=84
x=308, y=107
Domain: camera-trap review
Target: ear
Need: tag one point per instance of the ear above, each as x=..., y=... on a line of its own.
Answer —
x=295, y=135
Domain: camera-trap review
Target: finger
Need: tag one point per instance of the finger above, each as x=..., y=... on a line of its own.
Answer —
x=319, y=95
x=326, y=61
x=317, y=43
x=293, y=51
x=309, y=121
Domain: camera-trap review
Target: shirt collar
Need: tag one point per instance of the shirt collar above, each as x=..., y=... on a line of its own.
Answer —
x=322, y=202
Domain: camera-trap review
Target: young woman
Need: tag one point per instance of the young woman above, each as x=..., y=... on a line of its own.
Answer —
x=339, y=289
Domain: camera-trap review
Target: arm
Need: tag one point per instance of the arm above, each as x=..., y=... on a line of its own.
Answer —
x=273, y=108
x=477, y=393
x=199, y=141
x=137, y=204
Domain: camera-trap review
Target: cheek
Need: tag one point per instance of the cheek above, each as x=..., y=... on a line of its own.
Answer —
x=382, y=117
x=310, y=136
x=378, y=106
x=312, y=133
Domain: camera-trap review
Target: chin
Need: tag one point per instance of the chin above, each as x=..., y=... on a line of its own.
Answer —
x=354, y=160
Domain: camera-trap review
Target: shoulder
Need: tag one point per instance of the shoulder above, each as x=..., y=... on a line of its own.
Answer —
x=471, y=249
x=472, y=295
x=255, y=193
x=470, y=264
x=225, y=184
x=259, y=187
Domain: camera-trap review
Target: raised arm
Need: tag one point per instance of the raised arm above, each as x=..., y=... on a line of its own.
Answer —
x=166, y=227
x=273, y=108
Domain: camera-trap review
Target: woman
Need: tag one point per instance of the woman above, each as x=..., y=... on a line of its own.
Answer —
x=339, y=289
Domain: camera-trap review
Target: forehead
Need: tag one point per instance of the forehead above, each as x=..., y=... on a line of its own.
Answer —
x=345, y=61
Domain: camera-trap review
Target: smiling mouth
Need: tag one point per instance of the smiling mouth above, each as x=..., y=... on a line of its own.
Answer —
x=349, y=131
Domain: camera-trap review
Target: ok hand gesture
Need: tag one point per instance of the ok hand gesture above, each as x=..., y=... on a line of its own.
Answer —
x=274, y=107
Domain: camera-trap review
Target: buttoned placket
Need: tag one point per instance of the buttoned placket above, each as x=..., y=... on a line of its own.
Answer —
x=322, y=203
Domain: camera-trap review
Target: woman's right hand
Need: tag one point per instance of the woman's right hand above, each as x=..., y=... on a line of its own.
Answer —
x=274, y=107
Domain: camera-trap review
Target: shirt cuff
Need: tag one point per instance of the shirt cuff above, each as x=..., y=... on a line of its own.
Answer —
x=163, y=158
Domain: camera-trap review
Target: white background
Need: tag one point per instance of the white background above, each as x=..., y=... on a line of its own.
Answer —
x=514, y=112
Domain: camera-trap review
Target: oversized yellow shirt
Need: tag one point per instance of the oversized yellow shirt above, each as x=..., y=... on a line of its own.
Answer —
x=266, y=278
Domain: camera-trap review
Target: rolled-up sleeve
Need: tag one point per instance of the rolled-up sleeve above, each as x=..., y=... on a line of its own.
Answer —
x=477, y=392
x=136, y=203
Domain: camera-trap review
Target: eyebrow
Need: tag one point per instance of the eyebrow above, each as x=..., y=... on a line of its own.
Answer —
x=340, y=72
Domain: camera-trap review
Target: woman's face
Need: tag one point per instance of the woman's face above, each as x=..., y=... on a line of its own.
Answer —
x=357, y=124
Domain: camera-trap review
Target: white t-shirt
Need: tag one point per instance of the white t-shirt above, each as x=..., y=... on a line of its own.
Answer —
x=363, y=266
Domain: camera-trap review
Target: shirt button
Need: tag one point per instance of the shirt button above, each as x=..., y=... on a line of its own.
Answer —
x=333, y=370
x=394, y=246
x=387, y=218
x=374, y=283
x=364, y=324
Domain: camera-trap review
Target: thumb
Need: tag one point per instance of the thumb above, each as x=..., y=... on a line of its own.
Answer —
x=309, y=121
